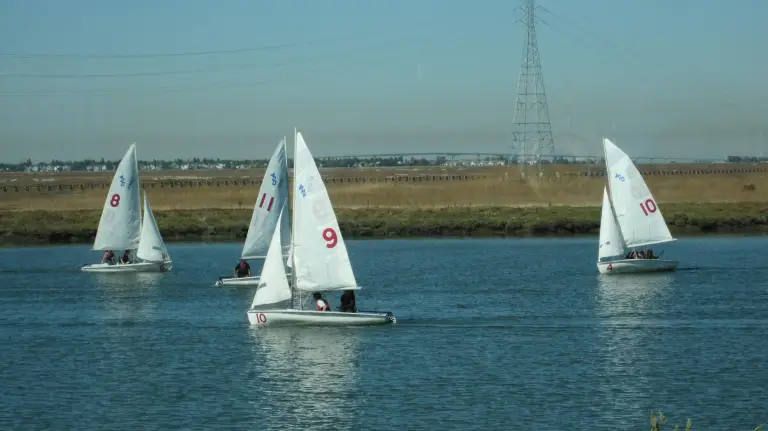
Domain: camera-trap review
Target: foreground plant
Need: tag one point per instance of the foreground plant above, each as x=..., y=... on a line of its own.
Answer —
x=661, y=419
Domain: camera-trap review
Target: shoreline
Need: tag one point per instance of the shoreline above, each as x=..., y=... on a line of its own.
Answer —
x=239, y=241
x=22, y=228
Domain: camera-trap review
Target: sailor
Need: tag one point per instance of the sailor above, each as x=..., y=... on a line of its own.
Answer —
x=109, y=257
x=348, y=301
x=242, y=269
x=126, y=257
x=322, y=304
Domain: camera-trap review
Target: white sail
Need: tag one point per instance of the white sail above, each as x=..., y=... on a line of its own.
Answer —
x=320, y=256
x=273, y=283
x=273, y=195
x=611, y=243
x=637, y=212
x=120, y=223
x=151, y=246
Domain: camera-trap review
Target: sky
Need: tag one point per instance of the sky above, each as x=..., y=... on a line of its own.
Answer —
x=228, y=79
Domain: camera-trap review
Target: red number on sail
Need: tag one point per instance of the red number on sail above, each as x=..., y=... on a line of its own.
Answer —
x=649, y=207
x=330, y=237
x=269, y=205
x=115, y=200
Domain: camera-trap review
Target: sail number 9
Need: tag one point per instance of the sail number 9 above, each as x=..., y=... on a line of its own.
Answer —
x=115, y=200
x=330, y=237
x=648, y=207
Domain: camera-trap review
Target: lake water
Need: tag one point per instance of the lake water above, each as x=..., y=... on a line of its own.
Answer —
x=491, y=334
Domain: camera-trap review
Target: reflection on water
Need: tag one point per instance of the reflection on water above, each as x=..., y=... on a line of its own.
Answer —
x=540, y=342
x=132, y=280
x=622, y=298
x=624, y=303
x=128, y=296
x=309, y=373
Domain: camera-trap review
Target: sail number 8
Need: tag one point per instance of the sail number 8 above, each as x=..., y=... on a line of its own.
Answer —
x=648, y=207
x=115, y=200
x=330, y=237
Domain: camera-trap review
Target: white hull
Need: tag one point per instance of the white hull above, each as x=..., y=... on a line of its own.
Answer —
x=239, y=281
x=128, y=267
x=636, y=266
x=290, y=317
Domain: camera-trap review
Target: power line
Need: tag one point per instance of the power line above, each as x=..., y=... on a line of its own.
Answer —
x=250, y=66
x=158, y=55
x=627, y=55
x=175, y=89
x=273, y=47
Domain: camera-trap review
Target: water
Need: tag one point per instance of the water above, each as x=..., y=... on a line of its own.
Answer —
x=492, y=334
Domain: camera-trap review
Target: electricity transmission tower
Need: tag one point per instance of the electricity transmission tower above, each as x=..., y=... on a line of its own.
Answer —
x=532, y=135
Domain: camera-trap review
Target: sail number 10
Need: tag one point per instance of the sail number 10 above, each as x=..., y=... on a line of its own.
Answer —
x=648, y=207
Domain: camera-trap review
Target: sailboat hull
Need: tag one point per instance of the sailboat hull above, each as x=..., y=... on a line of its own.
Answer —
x=240, y=281
x=636, y=266
x=128, y=267
x=237, y=281
x=264, y=318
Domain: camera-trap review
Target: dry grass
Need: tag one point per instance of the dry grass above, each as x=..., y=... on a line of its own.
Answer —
x=497, y=187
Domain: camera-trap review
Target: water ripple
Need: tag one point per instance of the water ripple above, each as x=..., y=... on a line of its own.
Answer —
x=491, y=334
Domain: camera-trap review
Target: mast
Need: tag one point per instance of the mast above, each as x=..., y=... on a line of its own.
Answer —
x=138, y=184
x=293, y=218
x=288, y=180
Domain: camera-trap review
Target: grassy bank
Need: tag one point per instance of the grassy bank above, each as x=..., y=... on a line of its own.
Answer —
x=58, y=227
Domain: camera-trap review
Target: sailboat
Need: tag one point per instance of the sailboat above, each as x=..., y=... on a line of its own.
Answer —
x=631, y=220
x=318, y=258
x=272, y=198
x=120, y=226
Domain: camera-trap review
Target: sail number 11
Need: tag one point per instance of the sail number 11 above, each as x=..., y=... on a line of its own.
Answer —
x=648, y=207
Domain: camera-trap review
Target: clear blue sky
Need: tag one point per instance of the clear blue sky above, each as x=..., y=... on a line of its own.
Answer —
x=357, y=77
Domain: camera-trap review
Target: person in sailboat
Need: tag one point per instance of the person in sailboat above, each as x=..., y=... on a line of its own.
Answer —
x=320, y=302
x=109, y=257
x=126, y=258
x=242, y=269
x=348, y=302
